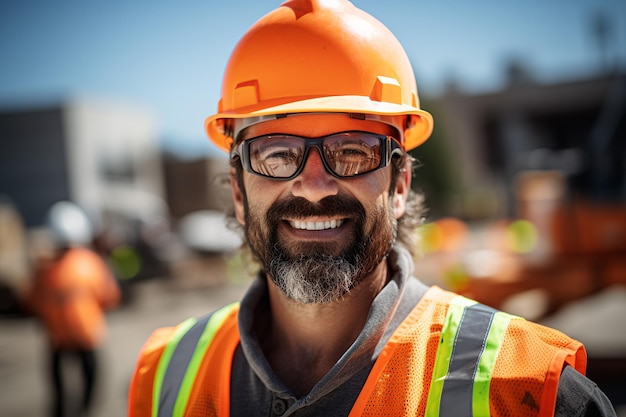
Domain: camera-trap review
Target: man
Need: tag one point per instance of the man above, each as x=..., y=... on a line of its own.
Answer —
x=319, y=108
x=70, y=293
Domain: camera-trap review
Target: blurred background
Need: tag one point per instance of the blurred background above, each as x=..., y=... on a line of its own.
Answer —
x=524, y=176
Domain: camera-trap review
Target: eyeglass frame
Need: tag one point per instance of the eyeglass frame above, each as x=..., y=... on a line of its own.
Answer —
x=390, y=147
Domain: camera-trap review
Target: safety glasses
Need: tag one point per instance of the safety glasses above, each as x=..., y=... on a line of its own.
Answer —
x=345, y=155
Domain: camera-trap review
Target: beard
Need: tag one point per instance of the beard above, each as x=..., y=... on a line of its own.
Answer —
x=320, y=272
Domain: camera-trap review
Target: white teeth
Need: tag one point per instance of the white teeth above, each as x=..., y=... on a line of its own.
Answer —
x=328, y=224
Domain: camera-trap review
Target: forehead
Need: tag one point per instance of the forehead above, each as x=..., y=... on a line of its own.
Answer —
x=315, y=125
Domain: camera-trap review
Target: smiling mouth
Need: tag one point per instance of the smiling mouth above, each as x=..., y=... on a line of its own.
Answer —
x=319, y=225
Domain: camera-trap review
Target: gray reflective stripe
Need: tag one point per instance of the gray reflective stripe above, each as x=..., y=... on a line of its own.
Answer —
x=177, y=367
x=469, y=344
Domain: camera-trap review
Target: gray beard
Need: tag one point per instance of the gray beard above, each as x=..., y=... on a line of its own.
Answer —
x=309, y=273
x=315, y=279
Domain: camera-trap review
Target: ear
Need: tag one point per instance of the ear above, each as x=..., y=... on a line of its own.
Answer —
x=403, y=186
x=238, y=198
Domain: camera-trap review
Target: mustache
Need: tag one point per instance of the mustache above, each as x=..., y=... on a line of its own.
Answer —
x=335, y=205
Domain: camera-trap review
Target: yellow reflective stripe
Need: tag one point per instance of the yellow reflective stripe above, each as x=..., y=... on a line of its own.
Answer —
x=444, y=352
x=164, y=361
x=484, y=372
x=213, y=325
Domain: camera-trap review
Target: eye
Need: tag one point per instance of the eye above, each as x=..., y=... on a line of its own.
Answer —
x=278, y=154
x=354, y=151
x=275, y=149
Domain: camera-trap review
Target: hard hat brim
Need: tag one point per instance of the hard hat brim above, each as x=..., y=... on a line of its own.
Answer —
x=416, y=131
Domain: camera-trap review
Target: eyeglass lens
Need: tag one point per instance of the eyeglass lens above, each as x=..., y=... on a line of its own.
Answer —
x=345, y=154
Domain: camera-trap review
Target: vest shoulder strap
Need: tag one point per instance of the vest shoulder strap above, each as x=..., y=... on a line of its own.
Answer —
x=142, y=381
x=455, y=357
x=170, y=362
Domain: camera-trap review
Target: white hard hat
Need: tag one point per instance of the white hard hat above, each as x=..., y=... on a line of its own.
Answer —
x=69, y=224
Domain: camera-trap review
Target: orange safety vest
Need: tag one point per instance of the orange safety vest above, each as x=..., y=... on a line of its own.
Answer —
x=450, y=357
x=70, y=295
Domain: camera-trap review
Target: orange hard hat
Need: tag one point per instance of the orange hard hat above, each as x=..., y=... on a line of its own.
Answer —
x=319, y=56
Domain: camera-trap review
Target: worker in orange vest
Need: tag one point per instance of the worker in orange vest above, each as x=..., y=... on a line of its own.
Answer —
x=319, y=109
x=69, y=294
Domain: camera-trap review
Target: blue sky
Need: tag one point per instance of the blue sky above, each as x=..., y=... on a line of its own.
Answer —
x=169, y=56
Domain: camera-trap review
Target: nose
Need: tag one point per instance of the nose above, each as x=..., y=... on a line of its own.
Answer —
x=314, y=182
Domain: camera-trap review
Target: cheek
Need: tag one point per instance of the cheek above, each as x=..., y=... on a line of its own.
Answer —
x=375, y=200
x=372, y=190
x=261, y=192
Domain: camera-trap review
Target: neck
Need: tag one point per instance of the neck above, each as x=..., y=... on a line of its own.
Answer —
x=304, y=341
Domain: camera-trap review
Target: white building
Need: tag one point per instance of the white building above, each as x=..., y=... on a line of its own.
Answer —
x=102, y=155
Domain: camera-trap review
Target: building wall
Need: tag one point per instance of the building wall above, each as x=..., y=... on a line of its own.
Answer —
x=194, y=185
x=114, y=159
x=33, y=161
x=103, y=155
x=530, y=126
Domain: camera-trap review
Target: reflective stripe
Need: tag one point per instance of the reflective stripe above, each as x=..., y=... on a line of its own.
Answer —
x=482, y=380
x=158, y=390
x=470, y=339
x=444, y=352
x=183, y=363
x=215, y=323
x=457, y=395
x=177, y=367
